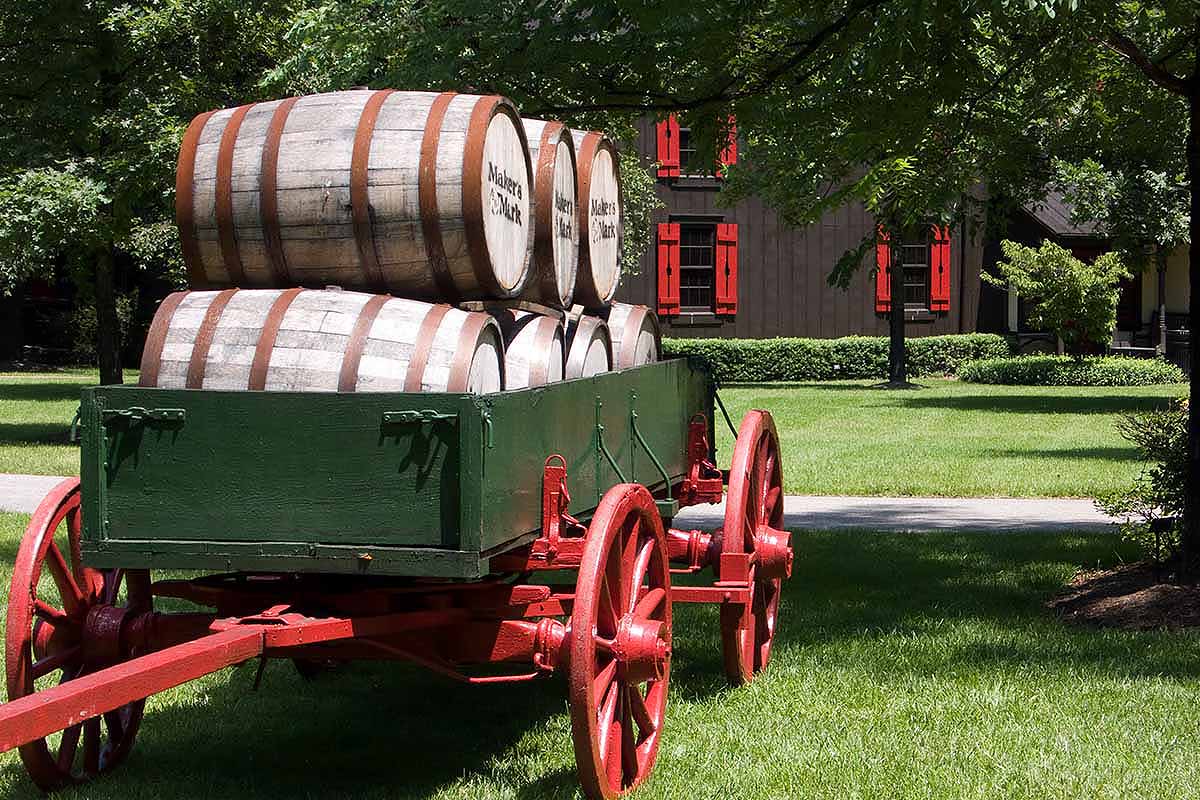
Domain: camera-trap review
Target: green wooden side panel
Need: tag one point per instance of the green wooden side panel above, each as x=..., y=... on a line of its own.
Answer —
x=322, y=482
x=563, y=418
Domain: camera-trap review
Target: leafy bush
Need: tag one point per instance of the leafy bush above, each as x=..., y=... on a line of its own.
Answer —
x=1068, y=371
x=1074, y=299
x=1153, y=507
x=757, y=360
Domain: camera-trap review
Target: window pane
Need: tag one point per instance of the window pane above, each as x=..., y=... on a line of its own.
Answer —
x=915, y=260
x=697, y=259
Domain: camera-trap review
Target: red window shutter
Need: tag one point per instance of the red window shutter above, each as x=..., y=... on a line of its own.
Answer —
x=728, y=155
x=939, y=270
x=727, y=268
x=668, y=269
x=668, y=147
x=883, y=275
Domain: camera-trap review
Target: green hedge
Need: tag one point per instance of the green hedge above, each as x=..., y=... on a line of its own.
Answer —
x=1068, y=371
x=857, y=357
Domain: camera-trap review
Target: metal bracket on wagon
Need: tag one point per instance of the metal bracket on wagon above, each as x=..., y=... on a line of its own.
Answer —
x=704, y=482
x=416, y=417
x=136, y=415
x=560, y=545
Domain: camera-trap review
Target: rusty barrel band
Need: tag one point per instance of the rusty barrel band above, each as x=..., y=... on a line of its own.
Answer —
x=224, y=205
x=539, y=371
x=268, y=203
x=585, y=281
x=464, y=353
x=360, y=201
x=543, y=192
x=352, y=357
x=427, y=202
x=185, y=199
x=157, y=337
x=204, y=337
x=423, y=345
x=266, y=340
x=630, y=335
x=473, y=211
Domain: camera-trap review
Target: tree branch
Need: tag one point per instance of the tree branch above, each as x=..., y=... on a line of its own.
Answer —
x=1124, y=46
x=728, y=90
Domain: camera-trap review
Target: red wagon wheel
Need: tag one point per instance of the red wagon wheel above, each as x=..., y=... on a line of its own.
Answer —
x=620, y=652
x=753, y=524
x=64, y=621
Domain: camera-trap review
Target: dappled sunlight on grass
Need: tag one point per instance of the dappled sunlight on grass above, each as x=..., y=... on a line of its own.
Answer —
x=907, y=666
x=949, y=438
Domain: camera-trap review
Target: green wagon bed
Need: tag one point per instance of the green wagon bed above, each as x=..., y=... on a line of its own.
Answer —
x=429, y=485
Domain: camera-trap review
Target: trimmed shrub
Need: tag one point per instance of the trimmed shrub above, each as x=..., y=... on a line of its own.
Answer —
x=852, y=357
x=1068, y=371
x=1152, y=509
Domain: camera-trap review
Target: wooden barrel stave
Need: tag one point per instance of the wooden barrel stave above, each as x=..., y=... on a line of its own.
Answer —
x=600, y=222
x=589, y=346
x=320, y=239
x=533, y=348
x=322, y=341
x=636, y=338
x=556, y=229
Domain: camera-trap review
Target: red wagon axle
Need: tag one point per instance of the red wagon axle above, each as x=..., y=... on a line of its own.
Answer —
x=610, y=630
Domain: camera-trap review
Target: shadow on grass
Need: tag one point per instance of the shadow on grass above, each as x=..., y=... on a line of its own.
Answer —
x=1122, y=454
x=34, y=433
x=1036, y=404
x=394, y=731
x=54, y=391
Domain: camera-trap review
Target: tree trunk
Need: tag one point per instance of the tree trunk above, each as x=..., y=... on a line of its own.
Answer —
x=1191, y=513
x=1160, y=261
x=108, y=328
x=897, y=364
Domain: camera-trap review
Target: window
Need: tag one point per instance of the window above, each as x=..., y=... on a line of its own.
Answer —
x=697, y=265
x=697, y=268
x=676, y=150
x=915, y=263
x=687, y=150
x=923, y=281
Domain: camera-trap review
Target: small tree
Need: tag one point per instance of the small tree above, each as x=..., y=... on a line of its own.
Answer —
x=1075, y=300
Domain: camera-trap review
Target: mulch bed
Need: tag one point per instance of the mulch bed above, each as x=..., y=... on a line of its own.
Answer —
x=1141, y=596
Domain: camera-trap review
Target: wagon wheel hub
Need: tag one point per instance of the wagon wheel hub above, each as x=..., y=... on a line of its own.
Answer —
x=102, y=636
x=773, y=551
x=642, y=651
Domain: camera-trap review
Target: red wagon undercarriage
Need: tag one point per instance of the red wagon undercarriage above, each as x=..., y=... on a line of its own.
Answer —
x=610, y=629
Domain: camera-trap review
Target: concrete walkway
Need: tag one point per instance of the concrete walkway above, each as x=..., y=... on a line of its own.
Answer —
x=24, y=492
x=915, y=514
x=907, y=514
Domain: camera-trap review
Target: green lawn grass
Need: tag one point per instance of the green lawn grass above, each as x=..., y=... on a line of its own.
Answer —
x=950, y=438
x=35, y=416
x=907, y=666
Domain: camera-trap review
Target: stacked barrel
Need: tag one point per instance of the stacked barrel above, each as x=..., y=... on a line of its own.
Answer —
x=394, y=241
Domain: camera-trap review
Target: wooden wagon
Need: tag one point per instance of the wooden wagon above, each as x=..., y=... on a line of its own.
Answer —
x=391, y=526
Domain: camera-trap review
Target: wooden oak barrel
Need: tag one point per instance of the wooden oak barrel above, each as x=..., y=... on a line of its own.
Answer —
x=417, y=194
x=555, y=225
x=636, y=339
x=589, y=347
x=600, y=225
x=319, y=341
x=533, y=348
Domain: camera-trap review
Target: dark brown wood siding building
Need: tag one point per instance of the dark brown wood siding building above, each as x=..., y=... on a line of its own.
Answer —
x=782, y=271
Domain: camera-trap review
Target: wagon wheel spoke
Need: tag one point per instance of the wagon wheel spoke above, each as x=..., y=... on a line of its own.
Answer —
x=640, y=713
x=629, y=557
x=650, y=603
x=56, y=661
x=629, y=761
x=608, y=713
x=72, y=596
x=48, y=612
x=91, y=746
x=604, y=645
x=115, y=725
x=604, y=678
x=640, y=566
x=67, y=747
